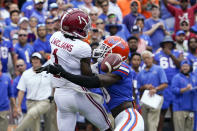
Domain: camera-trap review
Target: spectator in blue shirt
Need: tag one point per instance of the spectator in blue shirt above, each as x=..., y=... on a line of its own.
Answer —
x=10, y=30
x=155, y=27
x=41, y=44
x=6, y=93
x=37, y=11
x=184, y=104
x=23, y=49
x=152, y=78
x=20, y=68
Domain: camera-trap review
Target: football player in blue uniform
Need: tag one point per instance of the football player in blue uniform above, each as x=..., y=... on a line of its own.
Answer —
x=169, y=59
x=118, y=84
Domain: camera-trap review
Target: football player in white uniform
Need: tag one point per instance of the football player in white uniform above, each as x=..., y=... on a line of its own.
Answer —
x=74, y=55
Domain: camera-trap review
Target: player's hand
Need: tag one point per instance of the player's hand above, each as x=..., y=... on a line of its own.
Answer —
x=49, y=69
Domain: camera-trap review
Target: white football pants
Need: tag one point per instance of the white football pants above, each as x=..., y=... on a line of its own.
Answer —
x=129, y=120
x=69, y=102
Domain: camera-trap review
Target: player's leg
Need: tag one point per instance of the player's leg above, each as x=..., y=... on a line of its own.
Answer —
x=93, y=111
x=66, y=111
x=129, y=119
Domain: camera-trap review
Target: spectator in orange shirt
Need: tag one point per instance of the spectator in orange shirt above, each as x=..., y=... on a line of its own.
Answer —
x=125, y=6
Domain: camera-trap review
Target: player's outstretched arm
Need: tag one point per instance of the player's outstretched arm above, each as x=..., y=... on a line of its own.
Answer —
x=82, y=80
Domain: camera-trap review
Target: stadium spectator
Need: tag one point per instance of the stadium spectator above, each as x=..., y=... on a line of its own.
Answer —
x=38, y=87
x=93, y=16
x=184, y=104
x=180, y=41
x=53, y=8
x=140, y=23
x=23, y=49
x=129, y=19
x=158, y=31
x=152, y=78
x=10, y=30
x=41, y=44
x=169, y=59
x=181, y=13
x=100, y=24
x=185, y=26
x=6, y=47
x=95, y=35
x=142, y=44
x=4, y=11
x=6, y=97
x=56, y=24
x=135, y=62
x=12, y=7
x=105, y=9
x=20, y=68
x=23, y=23
x=133, y=45
x=37, y=11
x=49, y=27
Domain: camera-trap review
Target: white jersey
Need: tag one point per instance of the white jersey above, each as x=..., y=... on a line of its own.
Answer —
x=68, y=54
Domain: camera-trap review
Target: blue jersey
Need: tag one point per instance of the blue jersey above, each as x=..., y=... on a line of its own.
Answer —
x=155, y=76
x=6, y=91
x=40, y=45
x=5, y=48
x=23, y=104
x=192, y=59
x=122, y=90
x=166, y=62
x=24, y=52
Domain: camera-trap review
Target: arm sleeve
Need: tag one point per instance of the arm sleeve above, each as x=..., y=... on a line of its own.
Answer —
x=123, y=71
x=175, y=85
x=10, y=89
x=85, y=81
x=14, y=85
x=162, y=75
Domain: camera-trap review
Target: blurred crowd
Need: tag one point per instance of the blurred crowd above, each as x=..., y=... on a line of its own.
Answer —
x=167, y=29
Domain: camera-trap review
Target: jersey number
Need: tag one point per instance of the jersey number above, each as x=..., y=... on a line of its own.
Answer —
x=166, y=63
x=55, y=55
x=56, y=60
